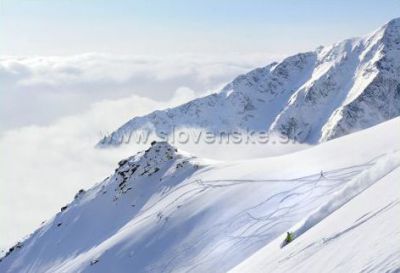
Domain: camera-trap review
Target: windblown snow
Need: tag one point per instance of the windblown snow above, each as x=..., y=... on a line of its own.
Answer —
x=167, y=211
x=309, y=97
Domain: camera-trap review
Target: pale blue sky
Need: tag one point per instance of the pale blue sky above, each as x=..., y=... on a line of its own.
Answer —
x=60, y=27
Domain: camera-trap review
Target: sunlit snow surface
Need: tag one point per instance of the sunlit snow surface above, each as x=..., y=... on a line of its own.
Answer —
x=361, y=236
x=167, y=211
x=311, y=97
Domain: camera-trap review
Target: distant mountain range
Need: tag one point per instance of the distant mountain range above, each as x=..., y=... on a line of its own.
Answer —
x=310, y=97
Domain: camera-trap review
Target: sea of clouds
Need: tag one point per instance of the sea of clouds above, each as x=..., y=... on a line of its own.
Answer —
x=54, y=109
x=39, y=90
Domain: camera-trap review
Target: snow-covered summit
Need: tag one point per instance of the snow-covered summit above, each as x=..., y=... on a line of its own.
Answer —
x=312, y=97
x=97, y=213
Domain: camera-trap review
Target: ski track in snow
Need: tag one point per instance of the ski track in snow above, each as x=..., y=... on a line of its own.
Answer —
x=307, y=250
x=360, y=183
x=258, y=227
x=196, y=216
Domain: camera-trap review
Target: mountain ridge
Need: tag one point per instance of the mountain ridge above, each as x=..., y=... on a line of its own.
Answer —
x=309, y=97
x=163, y=210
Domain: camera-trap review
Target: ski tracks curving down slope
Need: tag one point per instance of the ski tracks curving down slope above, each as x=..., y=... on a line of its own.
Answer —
x=164, y=210
x=360, y=236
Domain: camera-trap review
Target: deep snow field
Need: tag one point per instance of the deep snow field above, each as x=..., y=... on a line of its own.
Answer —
x=164, y=210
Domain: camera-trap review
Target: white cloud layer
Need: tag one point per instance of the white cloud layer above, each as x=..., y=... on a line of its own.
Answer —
x=39, y=90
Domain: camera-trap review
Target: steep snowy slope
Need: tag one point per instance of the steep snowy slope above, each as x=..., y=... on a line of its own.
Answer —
x=167, y=211
x=362, y=236
x=311, y=97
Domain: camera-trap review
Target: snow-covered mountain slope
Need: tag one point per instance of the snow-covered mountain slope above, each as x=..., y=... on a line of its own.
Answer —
x=310, y=97
x=166, y=211
x=362, y=236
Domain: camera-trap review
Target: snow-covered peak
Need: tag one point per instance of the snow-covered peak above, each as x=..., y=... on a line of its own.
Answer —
x=392, y=26
x=158, y=153
x=147, y=163
x=160, y=212
x=133, y=188
x=310, y=97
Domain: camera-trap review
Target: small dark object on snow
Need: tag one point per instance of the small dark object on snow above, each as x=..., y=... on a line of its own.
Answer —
x=153, y=142
x=10, y=250
x=59, y=224
x=79, y=193
x=122, y=162
x=95, y=261
x=288, y=239
x=14, y=247
x=135, y=167
x=64, y=208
